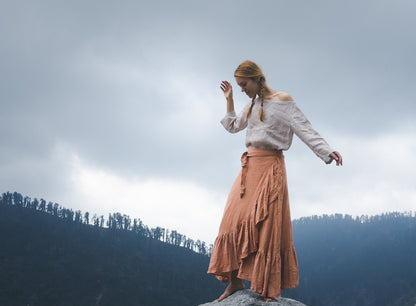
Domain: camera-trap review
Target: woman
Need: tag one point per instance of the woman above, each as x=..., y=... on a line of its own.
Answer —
x=255, y=236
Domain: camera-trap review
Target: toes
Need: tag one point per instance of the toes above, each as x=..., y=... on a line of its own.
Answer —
x=270, y=299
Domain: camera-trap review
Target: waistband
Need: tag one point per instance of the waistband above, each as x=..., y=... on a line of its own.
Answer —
x=262, y=152
x=253, y=152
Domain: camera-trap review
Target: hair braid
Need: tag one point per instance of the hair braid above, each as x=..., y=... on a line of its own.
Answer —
x=261, y=95
x=248, y=113
x=251, y=70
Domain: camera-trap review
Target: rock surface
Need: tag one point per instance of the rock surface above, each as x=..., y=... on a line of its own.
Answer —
x=247, y=297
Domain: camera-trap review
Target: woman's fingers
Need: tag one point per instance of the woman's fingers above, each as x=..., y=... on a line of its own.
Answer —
x=223, y=86
x=338, y=158
x=226, y=87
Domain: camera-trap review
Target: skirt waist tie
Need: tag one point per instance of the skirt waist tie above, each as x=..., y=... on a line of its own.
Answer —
x=252, y=152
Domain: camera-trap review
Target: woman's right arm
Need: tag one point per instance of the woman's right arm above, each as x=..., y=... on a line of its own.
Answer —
x=228, y=94
x=231, y=122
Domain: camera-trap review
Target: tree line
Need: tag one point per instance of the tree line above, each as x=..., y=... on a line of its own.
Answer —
x=115, y=221
x=325, y=218
x=343, y=260
x=363, y=260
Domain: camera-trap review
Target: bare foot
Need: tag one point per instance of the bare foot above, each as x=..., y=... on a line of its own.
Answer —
x=235, y=285
x=269, y=299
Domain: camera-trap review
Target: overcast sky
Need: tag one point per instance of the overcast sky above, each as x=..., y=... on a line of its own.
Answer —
x=115, y=106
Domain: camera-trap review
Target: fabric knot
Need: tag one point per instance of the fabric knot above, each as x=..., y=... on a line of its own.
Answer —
x=244, y=161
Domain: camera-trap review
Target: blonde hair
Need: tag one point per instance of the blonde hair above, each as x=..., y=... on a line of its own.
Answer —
x=249, y=69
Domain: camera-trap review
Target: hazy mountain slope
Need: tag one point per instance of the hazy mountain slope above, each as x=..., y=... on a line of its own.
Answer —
x=362, y=261
x=47, y=257
x=45, y=260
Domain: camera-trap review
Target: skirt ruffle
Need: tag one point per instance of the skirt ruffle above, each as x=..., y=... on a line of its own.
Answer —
x=255, y=235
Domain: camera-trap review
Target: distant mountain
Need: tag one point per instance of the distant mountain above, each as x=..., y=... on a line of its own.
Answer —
x=50, y=255
x=48, y=260
x=356, y=261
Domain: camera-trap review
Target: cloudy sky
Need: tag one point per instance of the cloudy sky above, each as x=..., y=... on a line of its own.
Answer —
x=115, y=106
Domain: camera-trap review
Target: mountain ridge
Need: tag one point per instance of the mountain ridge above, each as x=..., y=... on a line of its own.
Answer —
x=52, y=258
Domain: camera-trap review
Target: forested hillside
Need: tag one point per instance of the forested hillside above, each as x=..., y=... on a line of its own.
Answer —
x=115, y=221
x=51, y=258
x=356, y=261
x=50, y=255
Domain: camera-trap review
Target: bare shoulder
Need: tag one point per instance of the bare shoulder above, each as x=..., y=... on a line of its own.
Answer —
x=284, y=96
x=279, y=96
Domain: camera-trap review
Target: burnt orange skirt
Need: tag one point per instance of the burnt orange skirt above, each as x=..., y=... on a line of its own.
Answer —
x=255, y=235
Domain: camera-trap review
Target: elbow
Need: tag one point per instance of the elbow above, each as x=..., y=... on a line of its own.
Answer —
x=232, y=130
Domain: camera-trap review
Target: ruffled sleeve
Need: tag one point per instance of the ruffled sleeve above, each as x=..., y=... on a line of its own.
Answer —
x=304, y=130
x=233, y=123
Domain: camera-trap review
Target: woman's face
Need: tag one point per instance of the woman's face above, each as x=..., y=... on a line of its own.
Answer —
x=249, y=86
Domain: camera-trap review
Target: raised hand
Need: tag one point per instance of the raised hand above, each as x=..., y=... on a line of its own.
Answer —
x=227, y=89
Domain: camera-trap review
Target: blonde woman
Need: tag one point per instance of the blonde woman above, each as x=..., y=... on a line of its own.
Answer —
x=255, y=236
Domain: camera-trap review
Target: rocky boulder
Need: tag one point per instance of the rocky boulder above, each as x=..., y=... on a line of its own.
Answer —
x=247, y=297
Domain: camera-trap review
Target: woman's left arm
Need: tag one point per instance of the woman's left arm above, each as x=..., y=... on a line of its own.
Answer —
x=304, y=130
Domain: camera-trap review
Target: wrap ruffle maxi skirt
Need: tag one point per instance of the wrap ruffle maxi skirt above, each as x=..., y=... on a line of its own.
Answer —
x=255, y=235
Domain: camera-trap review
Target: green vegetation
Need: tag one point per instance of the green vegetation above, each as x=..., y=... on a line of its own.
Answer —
x=356, y=261
x=50, y=255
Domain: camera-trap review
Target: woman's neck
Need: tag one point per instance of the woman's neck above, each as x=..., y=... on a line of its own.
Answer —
x=268, y=93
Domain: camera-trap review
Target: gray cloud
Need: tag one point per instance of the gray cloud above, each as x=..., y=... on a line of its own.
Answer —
x=133, y=87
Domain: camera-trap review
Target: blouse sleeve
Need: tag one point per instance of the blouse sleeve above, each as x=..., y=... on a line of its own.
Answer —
x=304, y=130
x=233, y=123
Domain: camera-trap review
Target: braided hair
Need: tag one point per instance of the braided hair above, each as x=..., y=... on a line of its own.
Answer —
x=251, y=70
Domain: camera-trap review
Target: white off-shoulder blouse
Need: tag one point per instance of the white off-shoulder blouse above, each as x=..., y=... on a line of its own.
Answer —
x=280, y=120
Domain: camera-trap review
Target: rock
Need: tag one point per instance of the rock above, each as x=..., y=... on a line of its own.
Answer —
x=247, y=297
